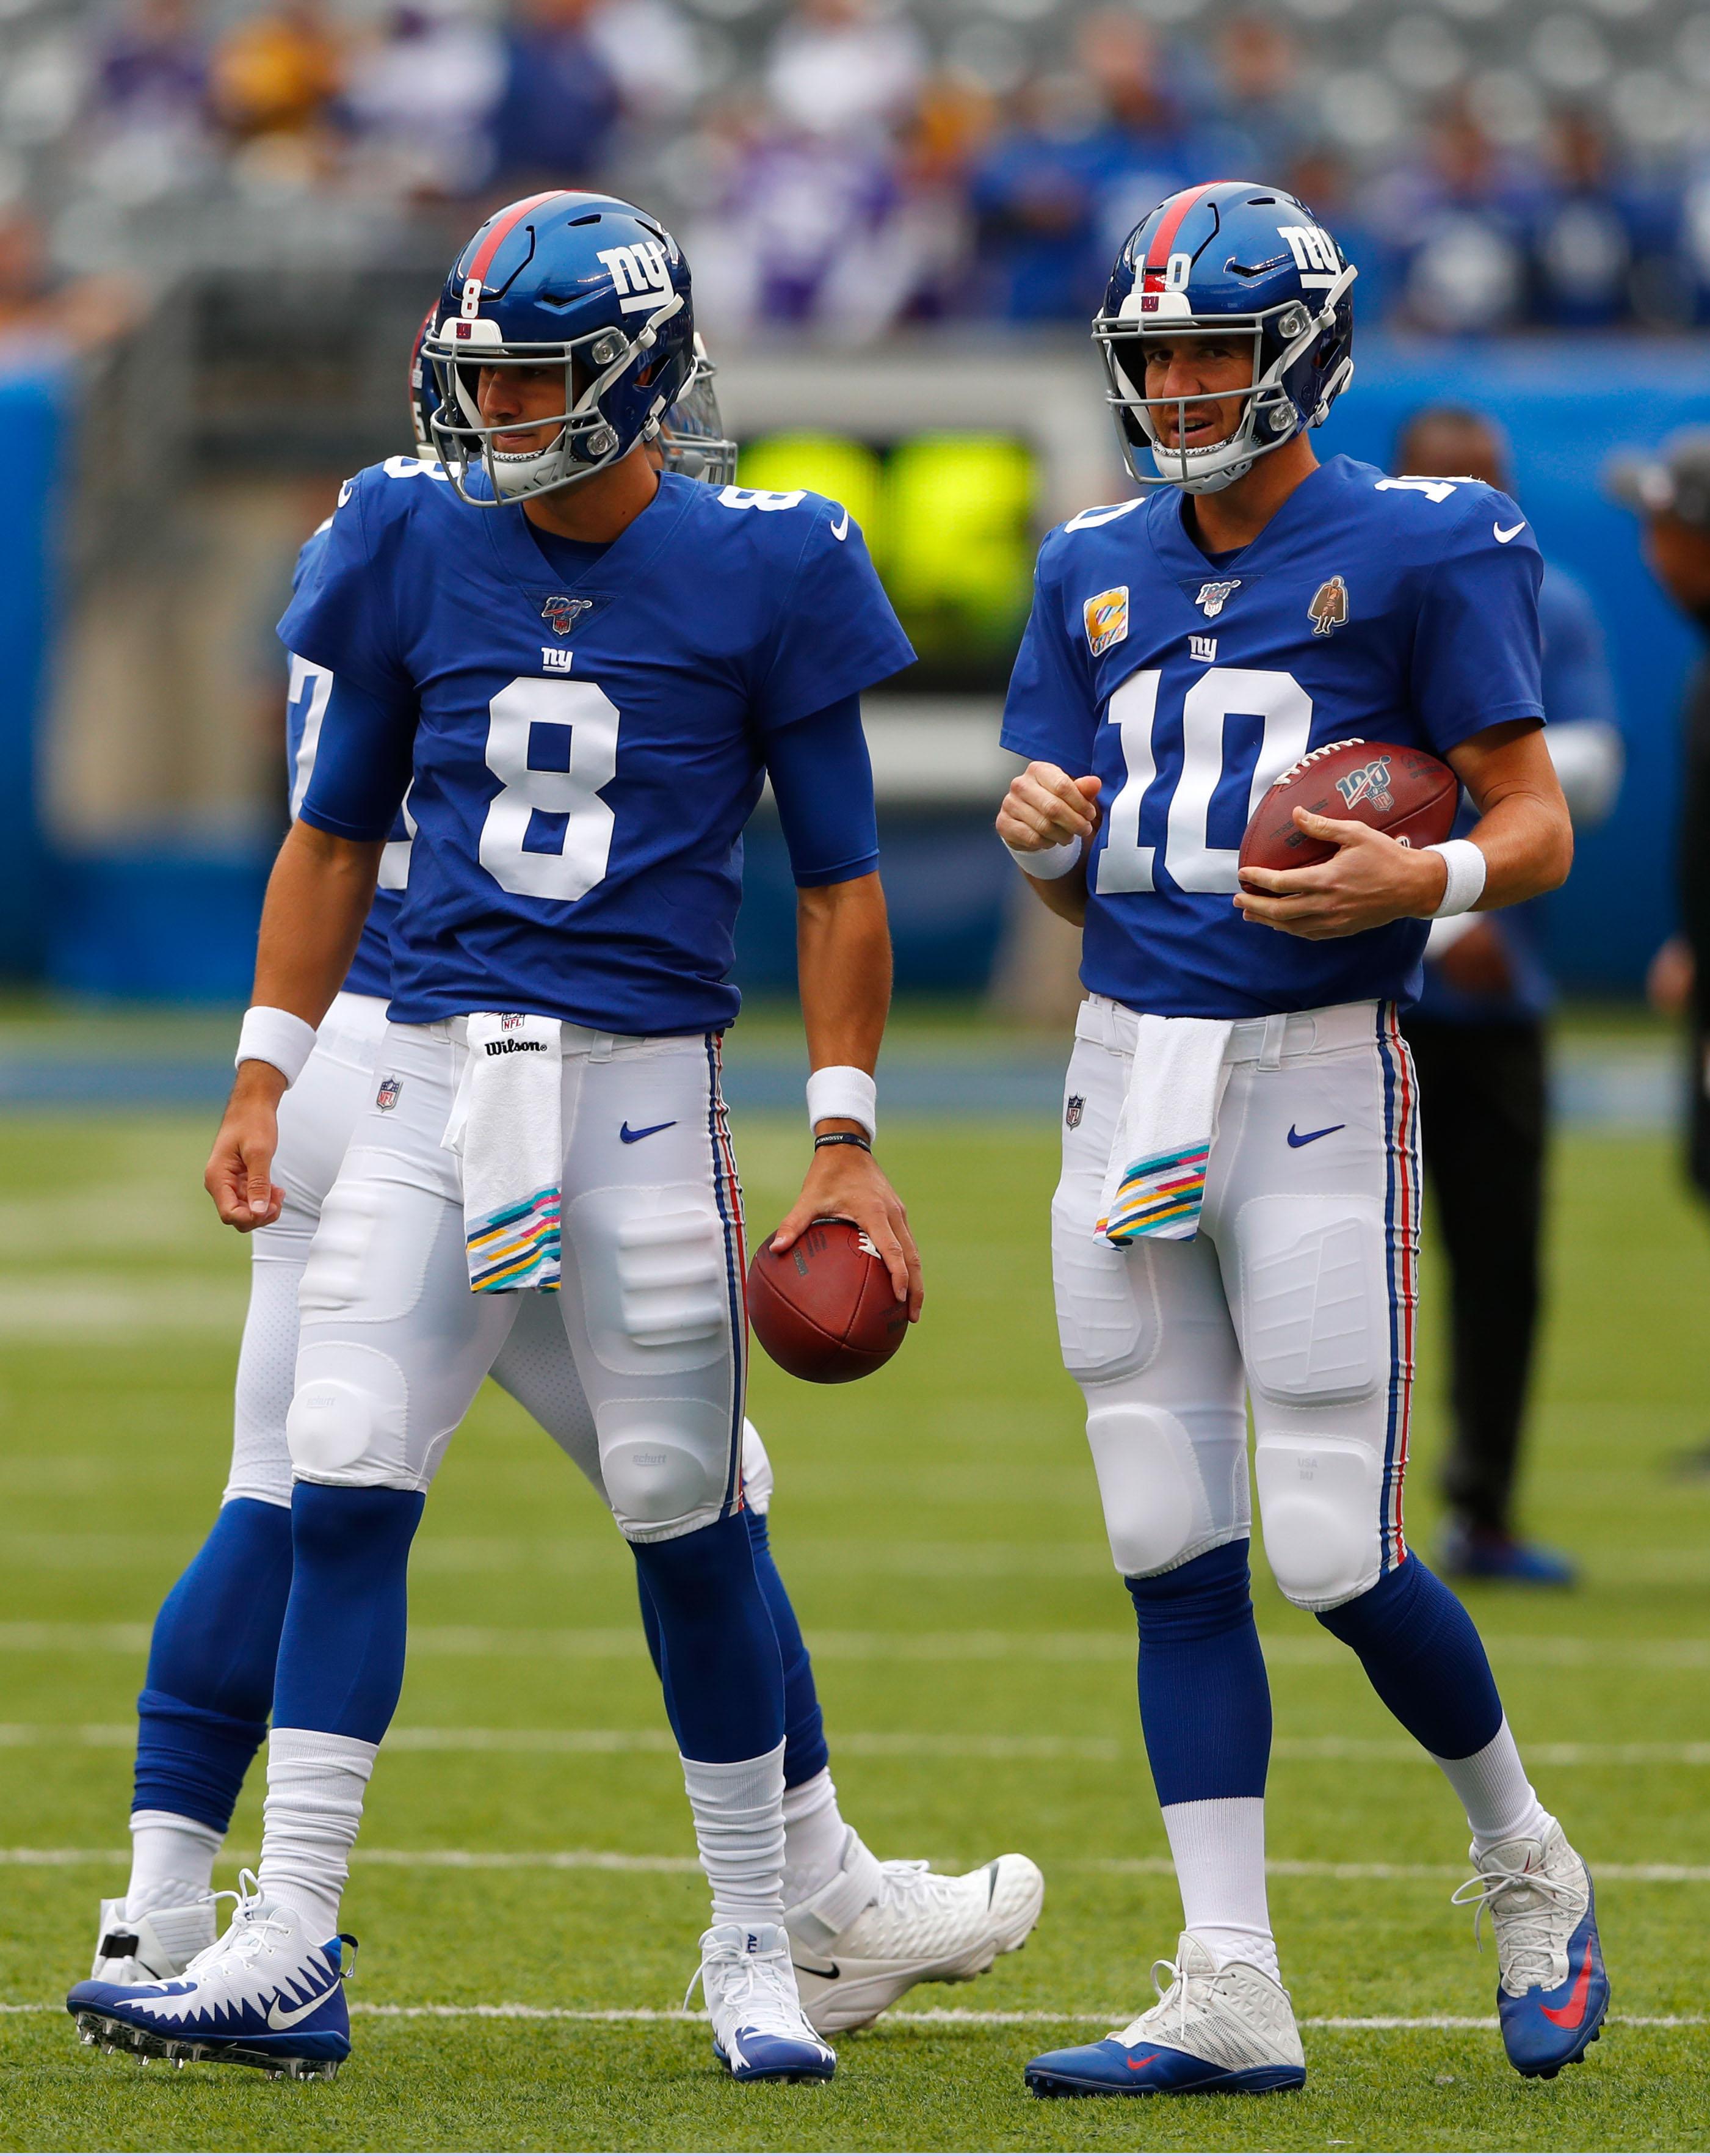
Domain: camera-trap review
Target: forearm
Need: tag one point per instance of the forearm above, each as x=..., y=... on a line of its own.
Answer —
x=1528, y=847
x=318, y=897
x=1064, y=895
x=843, y=965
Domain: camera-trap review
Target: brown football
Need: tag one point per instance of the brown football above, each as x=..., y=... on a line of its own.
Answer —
x=823, y=1309
x=1404, y=792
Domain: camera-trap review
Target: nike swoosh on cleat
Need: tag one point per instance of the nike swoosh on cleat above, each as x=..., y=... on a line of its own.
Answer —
x=1572, y=2013
x=631, y=1138
x=831, y=1972
x=1512, y=533
x=1135, y=2064
x=275, y=2019
x=1297, y=1138
x=840, y=530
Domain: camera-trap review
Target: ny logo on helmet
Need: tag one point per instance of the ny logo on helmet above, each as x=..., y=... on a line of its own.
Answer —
x=639, y=275
x=1212, y=595
x=1314, y=253
x=560, y=614
x=1329, y=607
x=1370, y=782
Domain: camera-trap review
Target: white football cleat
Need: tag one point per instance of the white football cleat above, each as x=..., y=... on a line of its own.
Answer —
x=875, y=1930
x=759, y=2031
x=1553, y=1991
x=160, y=1944
x=1214, y=2028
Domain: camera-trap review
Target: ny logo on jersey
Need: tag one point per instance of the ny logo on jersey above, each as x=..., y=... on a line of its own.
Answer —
x=1105, y=617
x=556, y=659
x=1204, y=649
x=1212, y=597
x=1329, y=607
x=1370, y=782
x=639, y=275
x=560, y=614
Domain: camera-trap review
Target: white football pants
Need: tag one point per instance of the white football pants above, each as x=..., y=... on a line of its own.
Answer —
x=1298, y=1293
x=535, y=1366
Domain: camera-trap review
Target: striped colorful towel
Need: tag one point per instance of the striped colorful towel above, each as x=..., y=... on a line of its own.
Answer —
x=507, y=1126
x=1155, y=1184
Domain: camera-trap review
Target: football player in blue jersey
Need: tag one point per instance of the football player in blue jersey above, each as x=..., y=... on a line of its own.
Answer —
x=1237, y=1219
x=581, y=670
x=864, y=1932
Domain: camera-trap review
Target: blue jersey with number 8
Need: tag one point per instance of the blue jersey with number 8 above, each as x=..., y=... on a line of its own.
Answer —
x=581, y=751
x=1400, y=610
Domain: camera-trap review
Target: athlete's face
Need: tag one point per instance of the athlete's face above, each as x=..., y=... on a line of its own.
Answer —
x=528, y=402
x=1197, y=367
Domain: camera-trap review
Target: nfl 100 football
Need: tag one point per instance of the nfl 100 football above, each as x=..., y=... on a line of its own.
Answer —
x=824, y=1309
x=1404, y=792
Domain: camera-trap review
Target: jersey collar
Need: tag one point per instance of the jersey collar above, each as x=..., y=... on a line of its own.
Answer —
x=523, y=563
x=1181, y=559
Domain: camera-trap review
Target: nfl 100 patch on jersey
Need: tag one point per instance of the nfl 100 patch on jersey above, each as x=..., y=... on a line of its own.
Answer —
x=1389, y=609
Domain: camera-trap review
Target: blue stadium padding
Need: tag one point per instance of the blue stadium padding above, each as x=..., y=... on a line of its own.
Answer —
x=1568, y=405
x=168, y=924
x=30, y=423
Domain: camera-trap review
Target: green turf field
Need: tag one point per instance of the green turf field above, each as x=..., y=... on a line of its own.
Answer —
x=527, y=1842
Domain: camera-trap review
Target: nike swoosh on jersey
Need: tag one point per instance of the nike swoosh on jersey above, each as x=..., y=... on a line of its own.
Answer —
x=275, y=2019
x=630, y=1137
x=840, y=530
x=1297, y=1138
x=1512, y=533
x=1571, y=2012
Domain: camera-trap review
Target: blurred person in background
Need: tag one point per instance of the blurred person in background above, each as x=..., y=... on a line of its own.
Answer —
x=1032, y=198
x=1456, y=221
x=1149, y=142
x=1320, y=176
x=274, y=78
x=1598, y=228
x=1671, y=492
x=840, y=68
x=420, y=100
x=1478, y=1037
x=146, y=125
x=1259, y=74
x=44, y=312
x=561, y=103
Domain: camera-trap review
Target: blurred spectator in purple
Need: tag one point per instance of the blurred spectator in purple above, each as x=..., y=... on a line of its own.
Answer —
x=560, y=105
x=147, y=120
x=1259, y=70
x=838, y=67
x=1455, y=224
x=418, y=100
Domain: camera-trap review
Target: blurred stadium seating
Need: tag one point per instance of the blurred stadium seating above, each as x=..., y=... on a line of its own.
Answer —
x=219, y=226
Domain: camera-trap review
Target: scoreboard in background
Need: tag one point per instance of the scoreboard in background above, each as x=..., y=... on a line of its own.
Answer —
x=952, y=523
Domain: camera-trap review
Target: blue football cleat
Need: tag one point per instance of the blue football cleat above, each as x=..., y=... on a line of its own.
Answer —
x=1553, y=1994
x=1470, y=1552
x=264, y=1996
x=1215, y=2031
x=759, y=2031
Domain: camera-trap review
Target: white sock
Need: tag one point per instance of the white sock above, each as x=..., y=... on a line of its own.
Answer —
x=814, y=1837
x=739, y=1808
x=1218, y=1846
x=1500, y=1802
x=316, y=1783
x=171, y=1862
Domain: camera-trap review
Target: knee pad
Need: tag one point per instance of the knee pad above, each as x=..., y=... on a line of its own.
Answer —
x=348, y=1271
x=756, y=1472
x=1315, y=1298
x=1321, y=1500
x=656, y=1277
x=347, y=1419
x=1156, y=1510
x=666, y=1464
x=1107, y=1314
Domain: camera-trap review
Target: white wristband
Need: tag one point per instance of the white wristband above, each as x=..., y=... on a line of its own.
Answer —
x=849, y=1095
x=1049, y=862
x=278, y=1037
x=1467, y=868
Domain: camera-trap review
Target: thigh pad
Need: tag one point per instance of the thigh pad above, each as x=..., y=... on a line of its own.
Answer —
x=1314, y=1315
x=655, y=1285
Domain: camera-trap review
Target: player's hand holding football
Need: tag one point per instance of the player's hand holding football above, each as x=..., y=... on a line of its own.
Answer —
x=1371, y=879
x=239, y=1175
x=1045, y=807
x=846, y=1183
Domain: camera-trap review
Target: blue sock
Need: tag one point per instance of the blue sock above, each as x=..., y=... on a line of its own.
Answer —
x=1424, y=1658
x=340, y=1658
x=805, y=1753
x=716, y=1652
x=203, y=1711
x=1204, y=1697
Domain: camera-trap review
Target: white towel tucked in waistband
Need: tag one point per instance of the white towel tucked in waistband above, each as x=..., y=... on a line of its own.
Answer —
x=1155, y=1184
x=507, y=1125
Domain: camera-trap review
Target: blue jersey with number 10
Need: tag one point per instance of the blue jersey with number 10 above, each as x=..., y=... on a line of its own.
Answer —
x=582, y=748
x=1400, y=610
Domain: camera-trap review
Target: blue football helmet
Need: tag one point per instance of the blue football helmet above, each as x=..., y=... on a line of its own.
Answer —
x=1230, y=257
x=581, y=281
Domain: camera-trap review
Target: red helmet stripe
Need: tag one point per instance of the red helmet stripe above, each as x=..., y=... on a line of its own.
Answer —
x=504, y=224
x=1174, y=210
